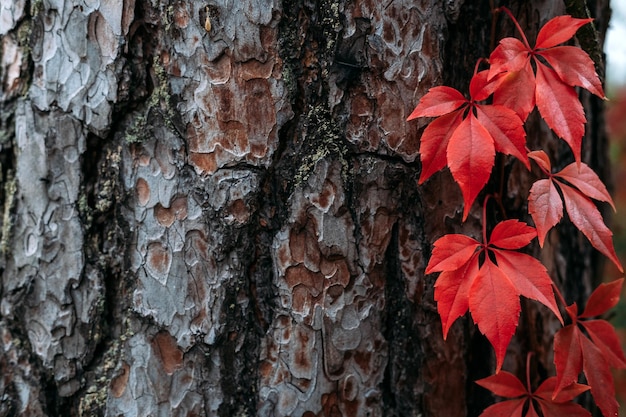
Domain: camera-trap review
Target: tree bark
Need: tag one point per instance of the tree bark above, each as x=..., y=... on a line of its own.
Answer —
x=211, y=208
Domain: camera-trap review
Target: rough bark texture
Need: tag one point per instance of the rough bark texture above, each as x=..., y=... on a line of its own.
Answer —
x=210, y=208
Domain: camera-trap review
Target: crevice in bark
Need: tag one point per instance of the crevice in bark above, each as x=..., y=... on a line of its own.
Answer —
x=405, y=352
x=393, y=159
x=261, y=289
x=7, y=134
x=54, y=404
x=143, y=91
x=466, y=42
x=306, y=30
x=479, y=360
x=238, y=348
x=7, y=204
x=104, y=251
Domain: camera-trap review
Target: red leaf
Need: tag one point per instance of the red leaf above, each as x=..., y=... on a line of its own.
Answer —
x=482, y=86
x=504, y=384
x=512, y=234
x=603, y=298
x=574, y=67
x=546, y=390
x=495, y=308
x=569, y=409
x=572, y=311
x=437, y=102
x=490, y=292
x=451, y=252
x=559, y=30
x=507, y=385
x=452, y=293
x=573, y=352
x=506, y=129
x=434, y=143
x=559, y=105
x=471, y=154
x=562, y=405
x=604, y=337
x=545, y=207
x=531, y=411
x=599, y=378
x=552, y=91
x=587, y=181
x=530, y=278
x=512, y=408
x=511, y=55
x=517, y=91
x=541, y=158
x=568, y=357
x=586, y=217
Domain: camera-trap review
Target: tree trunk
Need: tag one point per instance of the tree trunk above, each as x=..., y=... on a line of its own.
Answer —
x=211, y=208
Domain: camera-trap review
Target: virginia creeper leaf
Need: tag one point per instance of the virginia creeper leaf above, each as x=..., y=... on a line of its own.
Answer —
x=552, y=86
x=569, y=409
x=503, y=384
x=507, y=385
x=603, y=298
x=437, y=102
x=545, y=207
x=506, y=129
x=562, y=405
x=452, y=293
x=542, y=159
x=512, y=234
x=558, y=30
x=587, y=218
x=605, y=338
x=471, y=154
x=517, y=91
x=546, y=389
x=495, y=307
x=490, y=291
x=599, y=378
x=587, y=181
x=568, y=357
x=530, y=278
x=575, y=352
x=572, y=311
x=559, y=105
x=481, y=86
x=451, y=252
x=434, y=143
x=511, y=55
x=512, y=408
x=574, y=67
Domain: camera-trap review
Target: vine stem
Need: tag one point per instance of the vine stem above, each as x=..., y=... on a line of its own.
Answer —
x=494, y=17
x=485, y=219
x=528, y=357
x=478, y=62
x=519, y=28
x=559, y=295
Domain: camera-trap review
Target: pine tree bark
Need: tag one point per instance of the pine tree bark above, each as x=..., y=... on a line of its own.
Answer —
x=210, y=208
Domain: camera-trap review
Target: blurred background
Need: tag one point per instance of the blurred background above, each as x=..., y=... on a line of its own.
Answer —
x=615, y=49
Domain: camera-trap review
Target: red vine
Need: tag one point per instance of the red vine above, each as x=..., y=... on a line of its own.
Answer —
x=487, y=278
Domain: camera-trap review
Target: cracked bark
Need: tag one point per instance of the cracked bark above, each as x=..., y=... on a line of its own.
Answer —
x=210, y=208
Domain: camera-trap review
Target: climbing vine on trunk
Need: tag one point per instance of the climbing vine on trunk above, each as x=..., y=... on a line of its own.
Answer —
x=487, y=278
